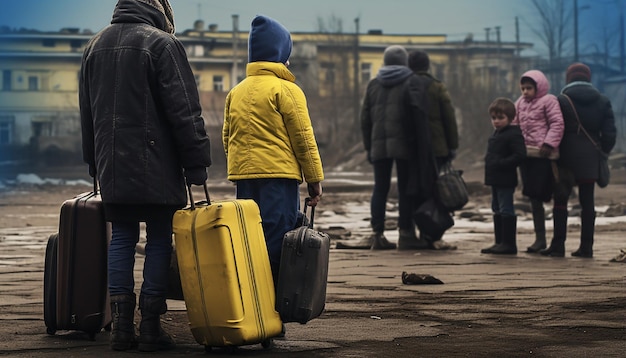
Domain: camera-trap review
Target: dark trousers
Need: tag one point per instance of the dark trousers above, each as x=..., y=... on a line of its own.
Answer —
x=279, y=202
x=382, y=184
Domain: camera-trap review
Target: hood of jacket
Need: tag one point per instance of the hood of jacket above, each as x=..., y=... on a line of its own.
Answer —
x=392, y=75
x=582, y=92
x=543, y=86
x=157, y=13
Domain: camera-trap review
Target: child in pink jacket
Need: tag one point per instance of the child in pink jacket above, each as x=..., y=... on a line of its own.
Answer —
x=541, y=121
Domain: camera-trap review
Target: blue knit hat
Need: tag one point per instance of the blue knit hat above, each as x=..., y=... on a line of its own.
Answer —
x=268, y=41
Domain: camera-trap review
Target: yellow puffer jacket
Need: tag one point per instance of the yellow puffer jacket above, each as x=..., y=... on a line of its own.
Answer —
x=267, y=130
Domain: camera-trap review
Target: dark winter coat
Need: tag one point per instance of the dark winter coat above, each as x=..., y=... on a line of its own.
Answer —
x=140, y=111
x=596, y=116
x=441, y=117
x=384, y=113
x=394, y=125
x=505, y=152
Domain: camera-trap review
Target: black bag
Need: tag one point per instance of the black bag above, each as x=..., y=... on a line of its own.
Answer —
x=451, y=188
x=604, y=175
x=303, y=274
x=432, y=219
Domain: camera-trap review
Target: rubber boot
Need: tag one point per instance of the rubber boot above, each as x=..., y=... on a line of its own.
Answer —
x=497, y=233
x=557, y=245
x=362, y=244
x=539, y=222
x=122, y=322
x=407, y=240
x=151, y=336
x=587, y=227
x=379, y=242
x=508, y=246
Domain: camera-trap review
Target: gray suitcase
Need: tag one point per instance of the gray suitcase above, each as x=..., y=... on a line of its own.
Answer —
x=303, y=273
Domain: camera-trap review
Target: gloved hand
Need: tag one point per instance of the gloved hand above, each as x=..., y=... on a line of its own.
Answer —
x=545, y=150
x=92, y=171
x=196, y=176
x=315, y=193
x=451, y=155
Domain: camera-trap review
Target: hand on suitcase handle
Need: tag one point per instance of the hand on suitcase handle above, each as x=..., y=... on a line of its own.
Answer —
x=191, y=202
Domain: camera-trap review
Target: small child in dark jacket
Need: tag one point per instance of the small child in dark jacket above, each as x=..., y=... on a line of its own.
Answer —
x=505, y=152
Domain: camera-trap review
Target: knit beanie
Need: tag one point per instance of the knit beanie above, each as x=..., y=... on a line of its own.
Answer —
x=395, y=55
x=164, y=8
x=578, y=72
x=268, y=41
x=419, y=61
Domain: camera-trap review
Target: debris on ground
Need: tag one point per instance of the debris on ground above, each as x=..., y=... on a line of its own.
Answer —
x=419, y=279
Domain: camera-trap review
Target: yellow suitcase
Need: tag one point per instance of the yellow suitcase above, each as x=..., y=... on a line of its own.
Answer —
x=225, y=273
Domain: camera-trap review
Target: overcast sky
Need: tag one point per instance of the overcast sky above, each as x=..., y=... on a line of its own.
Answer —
x=455, y=18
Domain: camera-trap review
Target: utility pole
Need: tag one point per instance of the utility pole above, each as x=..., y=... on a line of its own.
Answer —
x=498, y=47
x=622, y=61
x=575, y=30
x=356, y=85
x=235, y=74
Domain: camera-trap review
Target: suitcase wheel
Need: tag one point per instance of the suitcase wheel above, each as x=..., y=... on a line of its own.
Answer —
x=268, y=343
x=51, y=330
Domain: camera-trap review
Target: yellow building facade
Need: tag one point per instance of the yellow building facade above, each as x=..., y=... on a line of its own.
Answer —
x=39, y=75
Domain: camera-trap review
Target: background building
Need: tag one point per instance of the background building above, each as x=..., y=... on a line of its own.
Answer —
x=39, y=118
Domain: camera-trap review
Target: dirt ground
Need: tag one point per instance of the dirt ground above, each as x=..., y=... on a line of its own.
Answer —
x=488, y=306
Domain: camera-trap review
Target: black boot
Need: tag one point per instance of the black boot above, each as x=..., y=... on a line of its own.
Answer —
x=379, y=242
x=407, y=240
x=539, y=222
x=587, y=227
x=497, y=232
x=151, y=336
x=508, y=246
x=557, y=245
x=122, y=322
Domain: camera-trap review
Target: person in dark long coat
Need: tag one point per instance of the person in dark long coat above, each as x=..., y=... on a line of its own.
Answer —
x=580, y=157
x=390, y=137
x=142, y=134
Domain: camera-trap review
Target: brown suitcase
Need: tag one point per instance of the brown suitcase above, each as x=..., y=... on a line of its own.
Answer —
x=75, y=275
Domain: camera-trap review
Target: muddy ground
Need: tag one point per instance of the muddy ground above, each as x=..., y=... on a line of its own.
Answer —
x=488, y=306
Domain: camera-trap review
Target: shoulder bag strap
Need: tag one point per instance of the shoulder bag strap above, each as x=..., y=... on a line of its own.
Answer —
x=580, y=126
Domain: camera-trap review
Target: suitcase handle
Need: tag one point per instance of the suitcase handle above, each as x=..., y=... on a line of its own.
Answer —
x=306, y=201
x=192, y=203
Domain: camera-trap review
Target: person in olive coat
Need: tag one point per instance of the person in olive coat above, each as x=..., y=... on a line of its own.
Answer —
x=505, y=152
x=580, y=157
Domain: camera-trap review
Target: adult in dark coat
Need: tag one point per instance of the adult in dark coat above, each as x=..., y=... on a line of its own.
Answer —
x=442, y=126
x=389, y=130
x=142, y=133
x=580, y=158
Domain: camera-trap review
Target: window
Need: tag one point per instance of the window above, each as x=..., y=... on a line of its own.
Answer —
x=6, y=129
x=6, y=80
x=328, y=72
x=218, y=83
x=33, y=83
x=366, y=72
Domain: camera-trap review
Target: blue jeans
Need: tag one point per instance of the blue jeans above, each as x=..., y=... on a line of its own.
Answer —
x=382, y=184
x=124, y=238
x=279, y=202
x=502, y=201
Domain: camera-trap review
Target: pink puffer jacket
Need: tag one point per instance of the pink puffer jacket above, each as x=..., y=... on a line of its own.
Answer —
x=540, y=118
